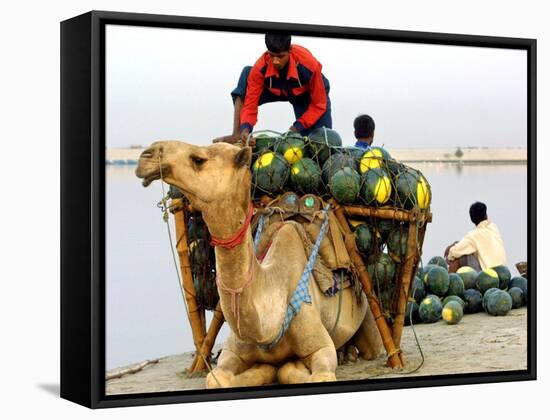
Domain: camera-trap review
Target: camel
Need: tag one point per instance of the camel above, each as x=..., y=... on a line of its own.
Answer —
x=254, y=297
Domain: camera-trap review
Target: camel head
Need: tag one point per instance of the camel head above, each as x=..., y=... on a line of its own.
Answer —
x=209, y=176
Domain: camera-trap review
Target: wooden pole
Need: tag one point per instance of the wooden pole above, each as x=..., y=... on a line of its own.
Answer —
x=407, y=274
x=187, y=279
x=387, y=213
x=210, y=339
x=394, y=360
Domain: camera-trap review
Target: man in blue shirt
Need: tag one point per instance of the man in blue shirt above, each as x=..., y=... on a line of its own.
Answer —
x=364, y=131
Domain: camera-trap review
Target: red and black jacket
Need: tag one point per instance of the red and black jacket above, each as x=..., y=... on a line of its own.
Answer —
x=303, y=76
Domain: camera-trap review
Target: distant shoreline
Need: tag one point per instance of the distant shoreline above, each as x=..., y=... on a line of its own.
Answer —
x=464, y=155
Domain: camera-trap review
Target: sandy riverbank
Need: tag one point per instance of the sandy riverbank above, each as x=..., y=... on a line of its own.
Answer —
x=479, y=343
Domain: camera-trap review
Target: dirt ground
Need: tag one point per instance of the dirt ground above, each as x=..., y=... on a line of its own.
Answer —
x=479, y=343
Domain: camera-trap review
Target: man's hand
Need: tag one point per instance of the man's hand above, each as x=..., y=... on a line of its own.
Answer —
x=448, y=249
x=293, y=129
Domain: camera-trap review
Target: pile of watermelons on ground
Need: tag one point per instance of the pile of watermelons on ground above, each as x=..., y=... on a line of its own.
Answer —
x=436, y=294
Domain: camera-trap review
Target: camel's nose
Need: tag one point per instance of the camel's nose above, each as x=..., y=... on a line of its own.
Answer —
x=148, y=153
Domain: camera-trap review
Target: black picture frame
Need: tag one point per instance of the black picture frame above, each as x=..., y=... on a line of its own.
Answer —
x=83, y=206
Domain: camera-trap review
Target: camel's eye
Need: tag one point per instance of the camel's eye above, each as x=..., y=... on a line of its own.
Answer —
x=197, y=161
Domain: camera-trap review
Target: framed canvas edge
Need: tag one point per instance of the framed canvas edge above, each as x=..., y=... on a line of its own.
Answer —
x=90, y=390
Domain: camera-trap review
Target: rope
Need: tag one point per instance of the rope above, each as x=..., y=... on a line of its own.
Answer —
x=164, y=209
x=341, y=291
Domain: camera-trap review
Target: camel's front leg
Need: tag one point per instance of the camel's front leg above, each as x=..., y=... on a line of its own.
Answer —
x=318, y=367
x=232, y=371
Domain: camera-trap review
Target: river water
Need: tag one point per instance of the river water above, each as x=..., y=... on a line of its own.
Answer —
x=145, y=313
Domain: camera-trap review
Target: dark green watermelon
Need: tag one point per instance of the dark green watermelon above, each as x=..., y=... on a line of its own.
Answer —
x=440, y=261
x=473, y=300
x=355, y=152
x=504, y=276
x=455, y=299
x=397, y=243
x=292, y=148
x=425, y=270
x=320, y=141
x=486, y=279
x=376, y=187
x=499, y=303
x=374, y=157
x=468, y=275
x=175, y=192
x=270, y=172
x=305, y=176
x=336, y=162
x=196, y=229
x=437, y=280
x=452, y=312
x=456, y=285
x=364, y=238
x=486, y=296
x=265, y=142
x=344, y=185
x=430, y=309
x=418, y=291
x=520, y=282
x=412, y=190
x=381, y=268
x=517, y=297
x=412, y=312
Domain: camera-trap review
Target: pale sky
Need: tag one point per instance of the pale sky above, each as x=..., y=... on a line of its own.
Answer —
x=176, y=83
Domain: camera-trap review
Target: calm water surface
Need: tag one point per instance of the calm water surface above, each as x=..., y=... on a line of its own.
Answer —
x=145, y=313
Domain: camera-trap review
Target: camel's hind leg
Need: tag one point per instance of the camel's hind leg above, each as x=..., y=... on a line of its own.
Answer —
x=232, y=371
x=367, y=339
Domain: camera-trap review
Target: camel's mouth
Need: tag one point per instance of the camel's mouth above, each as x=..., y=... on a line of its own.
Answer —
x=150, y=175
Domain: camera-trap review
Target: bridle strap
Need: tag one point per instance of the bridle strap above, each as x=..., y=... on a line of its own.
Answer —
x=238, y=237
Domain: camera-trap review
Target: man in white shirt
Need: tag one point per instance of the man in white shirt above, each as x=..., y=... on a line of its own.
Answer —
x=480, y=248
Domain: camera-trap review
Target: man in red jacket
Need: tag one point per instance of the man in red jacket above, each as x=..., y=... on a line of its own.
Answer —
x=285, y=72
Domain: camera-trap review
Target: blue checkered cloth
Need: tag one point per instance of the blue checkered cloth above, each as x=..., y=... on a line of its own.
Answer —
x=301, y=294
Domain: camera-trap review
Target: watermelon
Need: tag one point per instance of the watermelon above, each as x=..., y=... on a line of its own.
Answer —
x=504, y=276
x=456, y=285
x=412, y=190
x=412, y=310
x=517, y=297
x=355, y=152
x=374, y=157
x=364, y=238
x=452, y=312
x=336, y=162
x=344, y=185
x=520, y=282
x=486, y=296
x=473, y=299
x=305, y=176
x=320, y=141
x=430, y=309
x=468, y=275
x=437, y=280
x=397, y=243
x=424, y=272
x=381, y=268
x=270, y=172
x=440, y=261
x=175, y=192
x=292, y=148
x=418, y=291
x=196, y=229
x=455, y=299
x=486, y=279
x=376, y=188
x=265, y=142
x=498, y=303
x=384, y=226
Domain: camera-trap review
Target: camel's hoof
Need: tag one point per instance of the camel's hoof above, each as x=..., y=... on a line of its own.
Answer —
x=323, y=377
x=218, y=379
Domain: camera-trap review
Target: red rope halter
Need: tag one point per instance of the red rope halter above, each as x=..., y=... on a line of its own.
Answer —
x=236, y=239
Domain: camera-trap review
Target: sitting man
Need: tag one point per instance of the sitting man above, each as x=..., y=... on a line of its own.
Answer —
x=364, y=131
x=284, y=72
x=480, y=248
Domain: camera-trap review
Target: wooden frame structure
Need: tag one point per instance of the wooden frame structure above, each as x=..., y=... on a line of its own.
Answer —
x=391, y=336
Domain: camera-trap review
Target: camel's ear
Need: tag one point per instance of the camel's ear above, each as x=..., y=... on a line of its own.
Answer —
x=243, y=157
